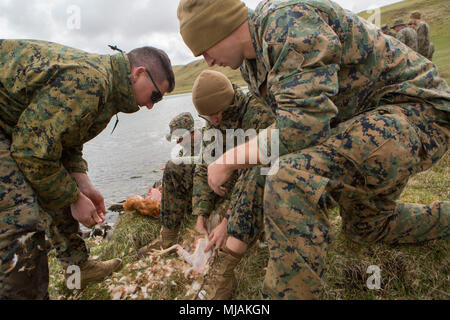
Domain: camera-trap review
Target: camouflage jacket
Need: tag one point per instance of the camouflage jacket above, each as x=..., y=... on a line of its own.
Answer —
x=53, y=99
x=318, y=65
x=245, y=113
x=423, y=38
x=409, y=37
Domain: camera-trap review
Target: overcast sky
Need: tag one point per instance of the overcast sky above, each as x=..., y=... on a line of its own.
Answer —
x=93, y=24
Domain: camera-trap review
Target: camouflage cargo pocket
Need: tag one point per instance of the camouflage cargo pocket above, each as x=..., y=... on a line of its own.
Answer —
x=384, y=147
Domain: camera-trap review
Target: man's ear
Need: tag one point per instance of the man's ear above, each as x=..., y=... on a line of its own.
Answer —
x=136, y=73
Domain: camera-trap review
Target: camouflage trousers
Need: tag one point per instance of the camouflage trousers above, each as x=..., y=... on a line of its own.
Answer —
x=244, y=202
x=245, y=221
x=176, y=198
x=23, y=227
x=364, y=166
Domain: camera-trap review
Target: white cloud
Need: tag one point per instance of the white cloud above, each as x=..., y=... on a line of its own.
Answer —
x=127, y=24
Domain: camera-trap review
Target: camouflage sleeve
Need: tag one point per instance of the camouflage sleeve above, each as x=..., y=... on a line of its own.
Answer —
x=303, y=53
x=240, y=97
x=72, y=159
x=258, y=116
x=204, y=200
x=55, y=112
x=423, y=39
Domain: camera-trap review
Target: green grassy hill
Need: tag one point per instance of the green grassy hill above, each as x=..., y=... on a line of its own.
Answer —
x=435, y=12
x=186, y=75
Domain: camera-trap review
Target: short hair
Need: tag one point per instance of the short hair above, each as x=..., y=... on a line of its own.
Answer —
x=156, y=62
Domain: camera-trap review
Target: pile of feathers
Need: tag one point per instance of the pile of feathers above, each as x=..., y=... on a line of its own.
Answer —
x=150, y=205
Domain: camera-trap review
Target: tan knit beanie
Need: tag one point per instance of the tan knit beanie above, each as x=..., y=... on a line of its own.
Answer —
x=204, y=23
x=212, y=93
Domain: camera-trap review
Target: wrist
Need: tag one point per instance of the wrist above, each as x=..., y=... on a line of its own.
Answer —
x=79, y=198
x=76, y=197
x=200, y=219
x=81, y=179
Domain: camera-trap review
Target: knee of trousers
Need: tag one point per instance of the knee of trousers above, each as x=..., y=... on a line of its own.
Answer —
x=20, y=218
x=292, y=207
x=177, y=171
x=293, y=187
x=246, y=226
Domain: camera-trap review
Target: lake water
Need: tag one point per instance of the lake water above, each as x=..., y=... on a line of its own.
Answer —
x=128, y=162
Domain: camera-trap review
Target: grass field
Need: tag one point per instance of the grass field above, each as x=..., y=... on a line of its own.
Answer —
x=407, y=271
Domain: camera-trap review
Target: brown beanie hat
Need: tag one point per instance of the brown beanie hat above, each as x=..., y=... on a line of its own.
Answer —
x=204, y=23
x=212, y=93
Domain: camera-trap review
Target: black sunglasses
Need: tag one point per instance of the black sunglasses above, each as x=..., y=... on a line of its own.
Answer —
x=204, y=118
x=156, y=95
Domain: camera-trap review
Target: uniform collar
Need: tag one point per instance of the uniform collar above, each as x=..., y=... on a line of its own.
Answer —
x=123, y=93
x=256, y=70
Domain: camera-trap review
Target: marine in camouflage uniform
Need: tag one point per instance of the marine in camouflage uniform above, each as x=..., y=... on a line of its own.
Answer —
x=405, y=34
x=425, y=47
x=245, y=221
x=242, y=205
x=176, y=198
x=358, y=113
x=186, y=189
x=52, y=100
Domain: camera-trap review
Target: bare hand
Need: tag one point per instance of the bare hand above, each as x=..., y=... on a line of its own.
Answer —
x=84, y=211
x=87, y=188
x=97, y=199
x=200, y=225
x=218, y=174
x=218, y=236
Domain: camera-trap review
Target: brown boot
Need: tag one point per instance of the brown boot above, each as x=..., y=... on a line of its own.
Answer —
x=167, y=238
x=93, y=270
x=220, y=281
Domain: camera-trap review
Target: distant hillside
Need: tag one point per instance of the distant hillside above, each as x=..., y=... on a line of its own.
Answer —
x=435, y=12
x=186, y=75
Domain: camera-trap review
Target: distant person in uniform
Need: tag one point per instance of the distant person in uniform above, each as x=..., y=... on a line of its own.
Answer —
x=425, y=47
x=405, y=34
x=177, y=183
